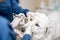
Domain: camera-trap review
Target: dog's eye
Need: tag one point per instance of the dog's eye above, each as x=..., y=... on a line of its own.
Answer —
x=37, y=25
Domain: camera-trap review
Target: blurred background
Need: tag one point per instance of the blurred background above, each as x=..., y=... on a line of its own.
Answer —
x=36, y=4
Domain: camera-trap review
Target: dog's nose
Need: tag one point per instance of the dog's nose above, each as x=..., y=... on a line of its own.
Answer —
x=23, y=29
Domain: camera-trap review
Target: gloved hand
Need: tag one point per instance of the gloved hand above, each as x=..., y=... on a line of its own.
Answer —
x=18, y=33
x=27, y=34
x=17, y=20
x=28, y=30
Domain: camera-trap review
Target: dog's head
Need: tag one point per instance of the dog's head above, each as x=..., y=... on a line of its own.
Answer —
x=39, y=23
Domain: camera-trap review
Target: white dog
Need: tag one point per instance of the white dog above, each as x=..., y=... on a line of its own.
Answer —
x=39, y=23
x=43, y=27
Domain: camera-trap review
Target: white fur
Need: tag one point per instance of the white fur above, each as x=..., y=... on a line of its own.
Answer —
x=16, y=22
x=54, y=18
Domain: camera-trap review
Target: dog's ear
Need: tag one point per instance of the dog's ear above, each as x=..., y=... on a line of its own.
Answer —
x=1, y=1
